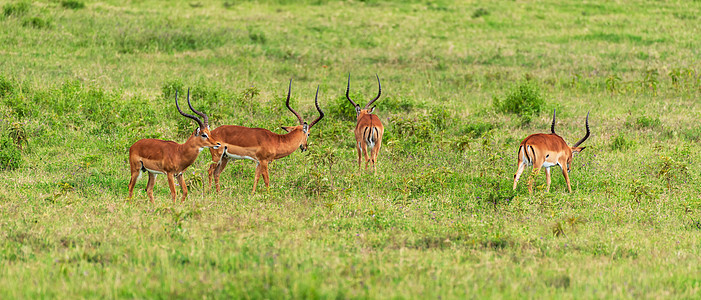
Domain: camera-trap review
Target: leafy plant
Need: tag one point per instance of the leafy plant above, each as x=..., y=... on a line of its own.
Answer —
x=72, y=4
x=524, y=99
x=621, y=143
x=18, y=134
x=670, y=170
x=612, y=82
x=479, y=12
x=15, y=9
x=10, y=154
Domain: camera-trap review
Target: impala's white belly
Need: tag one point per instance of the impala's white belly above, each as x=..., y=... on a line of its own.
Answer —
x=234, y=156
x=153, y=171
x=548, y=164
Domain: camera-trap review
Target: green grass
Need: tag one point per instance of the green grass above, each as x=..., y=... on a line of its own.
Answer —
x=81, y=81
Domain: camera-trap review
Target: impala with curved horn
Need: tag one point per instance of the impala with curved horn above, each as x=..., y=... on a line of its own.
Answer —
x=543, y=150
x=259, y=145
x=368, y=129
x=168, y=157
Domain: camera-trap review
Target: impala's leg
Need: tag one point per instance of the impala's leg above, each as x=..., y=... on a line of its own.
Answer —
x=216, y=157
x=134, y=176
x=218, y=169
x=171, y=184
x=360, y=155
x=255, y=181
x=181, y=181
x=373, y=156
x=365, y=154
x=567, y=177
x=547, y=179
x=264, y=172
x=521, y=167
x=535, y=173
x=149, y=186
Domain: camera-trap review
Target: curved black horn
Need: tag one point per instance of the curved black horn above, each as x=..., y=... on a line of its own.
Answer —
x=587, y=135
x=348, y=90
x=199, y=122
x=379, y=92
x=201, y=114
x=552, y=127
x=289, y=89
x=316, y=103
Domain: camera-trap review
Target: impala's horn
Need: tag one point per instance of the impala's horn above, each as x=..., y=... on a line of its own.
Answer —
x=199, y=122
x=201, y=114
x=316, y=103
x=348, y=91
x=379, y=92
x=585, y=136
x=289, y=89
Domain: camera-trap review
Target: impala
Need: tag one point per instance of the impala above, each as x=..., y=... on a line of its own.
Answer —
x=368, y=129
x=168, y=157
x=543, y=150
x=259, y=145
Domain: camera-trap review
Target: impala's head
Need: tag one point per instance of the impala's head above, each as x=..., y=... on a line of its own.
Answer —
x=575, y=148
x=367, y=109
x=303, y=126
x=202, y=137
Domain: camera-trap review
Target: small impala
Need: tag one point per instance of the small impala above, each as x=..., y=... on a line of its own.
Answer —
x=168, y=157
x=368, y=129
x=259, y=145
x=543, y=150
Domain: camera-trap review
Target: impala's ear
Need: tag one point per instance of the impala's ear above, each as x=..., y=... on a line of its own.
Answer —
x=197, y=131
x=357, y=109
x=577, y=149
x=286, y=129
x=372, y=109
x=305, y=127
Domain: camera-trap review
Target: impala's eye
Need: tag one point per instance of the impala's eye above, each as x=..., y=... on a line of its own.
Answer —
x=204, y=135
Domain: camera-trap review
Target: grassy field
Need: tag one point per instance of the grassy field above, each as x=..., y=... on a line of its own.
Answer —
x=463, y=83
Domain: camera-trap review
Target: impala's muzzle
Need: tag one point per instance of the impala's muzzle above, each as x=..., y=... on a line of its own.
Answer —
x=303, y=147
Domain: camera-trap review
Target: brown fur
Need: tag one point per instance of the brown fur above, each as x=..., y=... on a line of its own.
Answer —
x=368, y=126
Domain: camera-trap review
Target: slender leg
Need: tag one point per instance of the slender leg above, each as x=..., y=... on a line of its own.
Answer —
x=217, y=171
x=132, y=182
x=547, y=179
x=216, y=158
x=567, y=178
x=360, y=155
x=181, y=181
x=210, y=173
x=149, y=186
x=255, y=181
x=375, y=151
x=365, y=154
x=536, y=171
x=264, y=172
x=171, y=184
x=521, y=167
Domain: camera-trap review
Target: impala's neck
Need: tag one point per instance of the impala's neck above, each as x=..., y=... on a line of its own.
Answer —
x=290, y=142
x=189, y=150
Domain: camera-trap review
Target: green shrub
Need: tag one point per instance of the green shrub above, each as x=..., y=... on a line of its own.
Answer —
x=523, y=100
x=15, y=9
x=36, y=22
x=72, y=4
x=6, y=86
x=341, y=108
x=621, y=143
x=479, y=12
x=647, y=122
x=10, y=155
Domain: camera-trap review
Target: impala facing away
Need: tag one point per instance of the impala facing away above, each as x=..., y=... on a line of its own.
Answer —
x=547, y=150
x=368, y=129
x=168, y=157
x=259, y=145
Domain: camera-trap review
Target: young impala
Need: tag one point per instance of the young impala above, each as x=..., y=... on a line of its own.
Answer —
x=168, y=157
x=368, y=129
x=259, y=145
x=543, y=150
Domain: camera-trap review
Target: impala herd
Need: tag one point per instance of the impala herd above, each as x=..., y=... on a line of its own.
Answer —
x=262, y=146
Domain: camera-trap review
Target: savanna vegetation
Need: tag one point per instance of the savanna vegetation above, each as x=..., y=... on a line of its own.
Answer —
x=463, y=83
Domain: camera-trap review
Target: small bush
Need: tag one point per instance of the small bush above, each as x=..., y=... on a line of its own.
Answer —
x=479, y=12
x=72, y=4
x=6, y=86
x=476, y=129
x=647, y=122
x=10, y=155
x=36, y=22
x=523, y=100
x=342, y=109
x=15, y=9
x=397, y=104
x=621, y=143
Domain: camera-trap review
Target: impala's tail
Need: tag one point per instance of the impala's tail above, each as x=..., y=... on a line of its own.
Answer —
x=371, y=135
